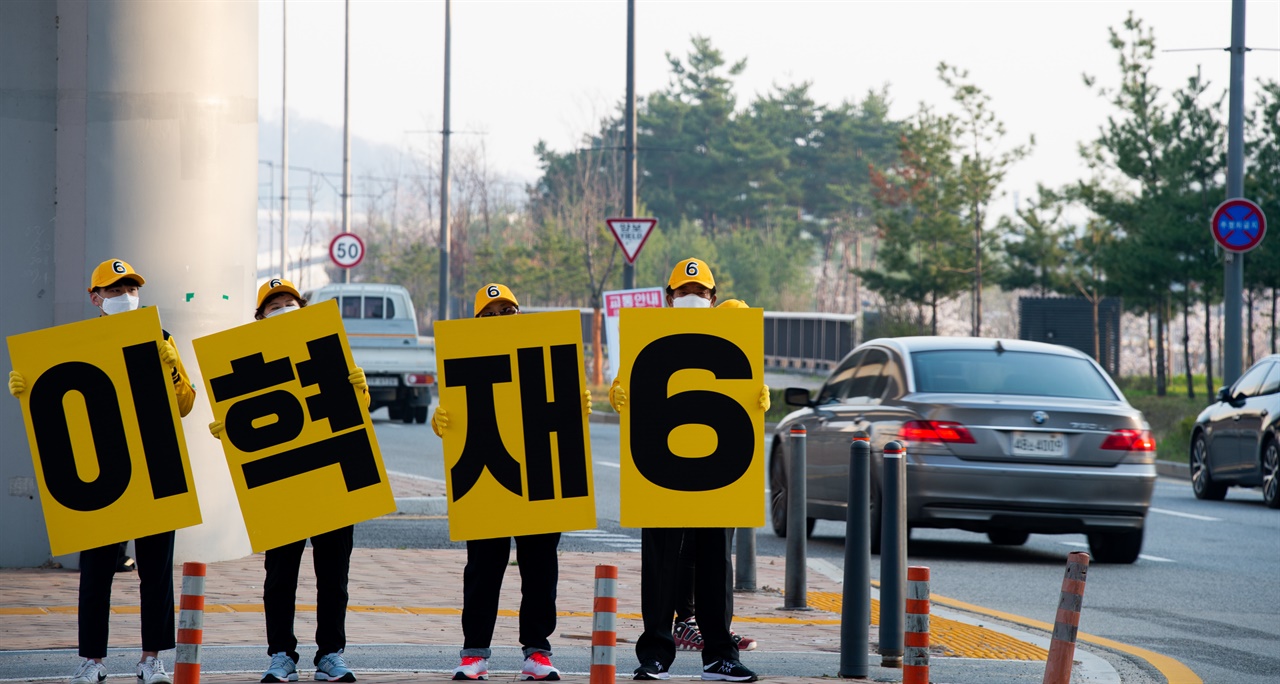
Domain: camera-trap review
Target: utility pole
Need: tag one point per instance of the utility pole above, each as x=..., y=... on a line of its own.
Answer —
x=629, y=207
x=1233, y=281
x=284, y=146
x=346, y=134
x=442, y=312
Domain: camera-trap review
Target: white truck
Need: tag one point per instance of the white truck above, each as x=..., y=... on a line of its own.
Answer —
x=383, y=333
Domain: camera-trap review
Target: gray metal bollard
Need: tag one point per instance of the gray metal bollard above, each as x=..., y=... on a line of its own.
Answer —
x=744, y=568
x=855, y=616
x=893, y=555
x=797, y=597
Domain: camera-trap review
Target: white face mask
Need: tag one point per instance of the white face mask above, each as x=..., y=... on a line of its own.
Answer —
x=284, y=309
x=691, y=302
x=119, y=304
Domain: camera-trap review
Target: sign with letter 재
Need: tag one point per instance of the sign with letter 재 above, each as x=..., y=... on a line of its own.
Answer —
x=298, y=439
x=517, y=456
x=102, y=421
x=692, y=438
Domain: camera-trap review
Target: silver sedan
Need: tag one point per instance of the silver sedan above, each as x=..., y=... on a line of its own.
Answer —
x=1004, y=437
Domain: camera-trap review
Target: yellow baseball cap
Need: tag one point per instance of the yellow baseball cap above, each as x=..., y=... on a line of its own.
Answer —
x=273, y=287
x=732, y=304
x=492, y=292
x=110, y=271
x=691, y=271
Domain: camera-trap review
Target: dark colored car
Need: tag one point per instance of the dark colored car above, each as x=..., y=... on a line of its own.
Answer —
x=1236, y=441
x=1004, y=437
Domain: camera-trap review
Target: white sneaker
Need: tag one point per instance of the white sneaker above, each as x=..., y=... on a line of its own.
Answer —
x=151, y=671
x=538, y=666
x=282, y=669
x=89, y=672
x=472, y=667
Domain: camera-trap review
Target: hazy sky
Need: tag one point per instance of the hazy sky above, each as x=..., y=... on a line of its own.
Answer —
x=541, y=69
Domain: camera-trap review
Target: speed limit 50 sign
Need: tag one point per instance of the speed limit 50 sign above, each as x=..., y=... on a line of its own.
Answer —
x=346, y=250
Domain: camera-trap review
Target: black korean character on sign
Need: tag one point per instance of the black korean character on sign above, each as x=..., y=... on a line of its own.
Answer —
x=149, y=392
x=482, y=444
x=336, y=402
x=654, y=415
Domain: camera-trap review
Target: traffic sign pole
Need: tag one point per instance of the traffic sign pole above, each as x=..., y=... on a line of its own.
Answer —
x=629, y=269
x=1233, y=277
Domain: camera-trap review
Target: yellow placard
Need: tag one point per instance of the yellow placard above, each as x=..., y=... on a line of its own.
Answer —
x=301, y=447
x=102, y=421
x=692, y=431
x=517, y=453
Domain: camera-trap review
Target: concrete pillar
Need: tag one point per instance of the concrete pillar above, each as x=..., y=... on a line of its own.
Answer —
x=136, y=123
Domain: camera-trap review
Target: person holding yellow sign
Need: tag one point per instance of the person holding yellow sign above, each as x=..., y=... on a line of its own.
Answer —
x=113, y=289
x=331, y=555
x=666, y=553
x=487, y=563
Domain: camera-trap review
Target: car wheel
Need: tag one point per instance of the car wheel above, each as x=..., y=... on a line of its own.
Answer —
x=1008, y=537
x=1202, y=483
x=1271, y=473
x=393, y=412
x=420, y=414
x=1115, y=547
x=778, y=496
x=778, y=492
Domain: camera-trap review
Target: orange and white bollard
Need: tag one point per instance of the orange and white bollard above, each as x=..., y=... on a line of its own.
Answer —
x=604, y=626
x=1062, y=647
x=915, y=659
x=186, y=668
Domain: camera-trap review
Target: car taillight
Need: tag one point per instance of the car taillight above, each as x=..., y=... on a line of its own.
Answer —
x=935, y=431
x=419, y=379
x=1129, y=440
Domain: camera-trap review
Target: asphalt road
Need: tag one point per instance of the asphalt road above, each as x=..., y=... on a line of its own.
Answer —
x=1206, y=590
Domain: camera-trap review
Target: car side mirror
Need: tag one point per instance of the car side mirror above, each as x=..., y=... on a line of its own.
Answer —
x=797, y=396
x=1224, y=394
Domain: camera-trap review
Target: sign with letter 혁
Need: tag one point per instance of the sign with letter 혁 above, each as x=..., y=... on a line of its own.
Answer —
x=692, y=438
x=303, y=455
x=517, y=456
x=102, y=421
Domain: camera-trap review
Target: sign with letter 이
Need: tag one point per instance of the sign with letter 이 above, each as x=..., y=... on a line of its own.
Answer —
x=517, y=455
x=298, y=439
x=692, y=430
x=105, y=435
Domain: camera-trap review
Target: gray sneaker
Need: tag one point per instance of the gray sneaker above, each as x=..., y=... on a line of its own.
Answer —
x=151, y=671
x=282, y=669
x=333, y=668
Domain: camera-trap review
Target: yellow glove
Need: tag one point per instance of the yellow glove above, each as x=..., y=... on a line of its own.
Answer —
x=765, y=403
x=357, y=378
x=617, y=395
x=167, y=355
x=216, y=428
x=440, y=421
x=586, y=401
x=16, y=384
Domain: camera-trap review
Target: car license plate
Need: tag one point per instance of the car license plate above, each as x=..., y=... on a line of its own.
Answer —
x=382, y=380
x=1039, y=444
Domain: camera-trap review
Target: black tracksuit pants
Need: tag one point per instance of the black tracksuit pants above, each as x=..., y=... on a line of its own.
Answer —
x=660, y=567
x=482, y=581
x=155, y=576
x=331, y=556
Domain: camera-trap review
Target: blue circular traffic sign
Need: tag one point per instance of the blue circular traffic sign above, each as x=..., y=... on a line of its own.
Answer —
x=1238, y=225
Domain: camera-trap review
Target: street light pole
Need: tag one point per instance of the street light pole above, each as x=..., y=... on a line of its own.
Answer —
x=442, y=312
x=1233, y=281
x=629, y=208
x=346, y=133
x=284, y=145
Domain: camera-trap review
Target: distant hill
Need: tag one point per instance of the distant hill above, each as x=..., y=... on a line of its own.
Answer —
x=318, y=146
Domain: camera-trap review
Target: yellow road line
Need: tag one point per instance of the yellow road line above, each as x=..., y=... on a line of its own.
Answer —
x=1174, y=671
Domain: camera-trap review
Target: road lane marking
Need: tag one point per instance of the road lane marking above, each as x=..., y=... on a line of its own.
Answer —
x=1143, y=556
x=1180, y=514
x=607, y=464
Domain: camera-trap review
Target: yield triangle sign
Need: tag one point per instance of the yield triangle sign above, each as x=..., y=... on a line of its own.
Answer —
x=631, y=234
